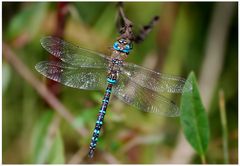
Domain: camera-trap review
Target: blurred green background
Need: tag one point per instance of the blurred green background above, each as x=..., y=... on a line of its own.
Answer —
x=202, y=37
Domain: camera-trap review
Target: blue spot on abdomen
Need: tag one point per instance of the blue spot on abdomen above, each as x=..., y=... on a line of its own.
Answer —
x=111, y=81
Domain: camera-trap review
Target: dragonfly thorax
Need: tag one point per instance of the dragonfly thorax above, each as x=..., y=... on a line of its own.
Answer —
x=115, y=66
x=114, y=69
x=119, y=55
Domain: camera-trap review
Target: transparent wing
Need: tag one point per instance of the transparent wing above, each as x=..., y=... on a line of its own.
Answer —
x=72, y=54
x=156, y=81
x=143, y=98
x=72, y=76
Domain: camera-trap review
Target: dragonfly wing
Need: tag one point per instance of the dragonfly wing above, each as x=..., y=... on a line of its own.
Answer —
x=72, y=54
x=156, y=81
x=143, y=98
x=72, y=76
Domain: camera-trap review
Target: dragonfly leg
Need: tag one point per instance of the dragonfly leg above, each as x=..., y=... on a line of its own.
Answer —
x=145, y=30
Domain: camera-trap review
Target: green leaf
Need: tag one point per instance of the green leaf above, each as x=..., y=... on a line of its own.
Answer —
x=45, y=147
x=87, y=115
x=109, y=26
x=194, y=118
x=29, y=20
x=56, y=155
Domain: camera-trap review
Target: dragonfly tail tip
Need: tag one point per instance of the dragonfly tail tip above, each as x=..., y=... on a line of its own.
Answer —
x=91, y=153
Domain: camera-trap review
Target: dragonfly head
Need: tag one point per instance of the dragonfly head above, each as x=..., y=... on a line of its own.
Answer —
x=123, y=45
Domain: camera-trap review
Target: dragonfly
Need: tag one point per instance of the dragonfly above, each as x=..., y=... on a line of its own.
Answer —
x=137, y=86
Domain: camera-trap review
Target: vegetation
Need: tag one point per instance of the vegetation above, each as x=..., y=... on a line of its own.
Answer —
x=55, y=125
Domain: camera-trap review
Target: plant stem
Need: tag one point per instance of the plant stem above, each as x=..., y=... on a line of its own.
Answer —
x=203, y=158
x=224, y=126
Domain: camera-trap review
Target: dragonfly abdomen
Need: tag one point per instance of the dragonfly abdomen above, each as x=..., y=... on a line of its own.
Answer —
x=100, y=118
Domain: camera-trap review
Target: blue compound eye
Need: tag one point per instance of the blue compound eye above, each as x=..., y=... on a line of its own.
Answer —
x=116, y=46
x=127, y=47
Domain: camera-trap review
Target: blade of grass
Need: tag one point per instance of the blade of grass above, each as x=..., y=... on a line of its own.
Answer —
x=224, y=126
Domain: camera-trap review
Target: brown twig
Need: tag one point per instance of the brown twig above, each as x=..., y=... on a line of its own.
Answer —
x=126, y=30
x=109, y=158
x=78, y=157
x=24, y=72
x=141, y=140
x=126, y=26
x=62, y=10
